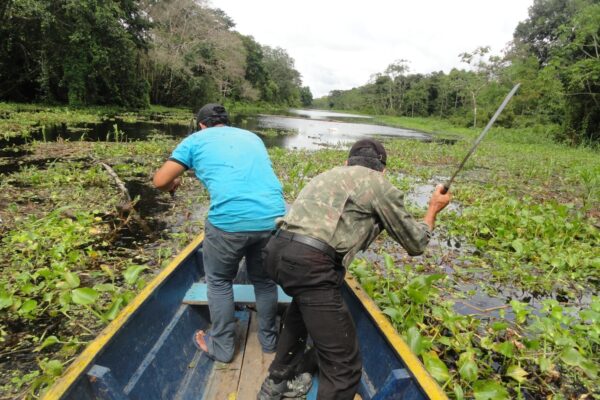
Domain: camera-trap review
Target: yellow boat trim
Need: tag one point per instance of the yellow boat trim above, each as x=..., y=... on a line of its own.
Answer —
x=414, y=365
x=83, y=361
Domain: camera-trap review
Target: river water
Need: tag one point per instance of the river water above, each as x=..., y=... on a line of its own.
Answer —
x=297, y=129
x=315, y=129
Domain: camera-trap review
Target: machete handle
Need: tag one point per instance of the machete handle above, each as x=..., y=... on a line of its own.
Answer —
x=445, y=188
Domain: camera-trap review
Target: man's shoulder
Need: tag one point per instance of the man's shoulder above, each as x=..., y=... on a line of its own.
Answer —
x=353, y=173
x=193, y=137
x=233, y=134
x=354, y=179
x=229, y=129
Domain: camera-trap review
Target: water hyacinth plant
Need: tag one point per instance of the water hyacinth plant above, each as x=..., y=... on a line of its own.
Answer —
x=522, y=240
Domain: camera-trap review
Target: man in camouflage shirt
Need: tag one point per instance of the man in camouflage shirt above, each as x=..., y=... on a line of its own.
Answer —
x=339, y=213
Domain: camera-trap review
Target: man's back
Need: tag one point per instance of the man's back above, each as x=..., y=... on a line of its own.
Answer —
x=246, y=197
x=235, y=167
x=346, y=207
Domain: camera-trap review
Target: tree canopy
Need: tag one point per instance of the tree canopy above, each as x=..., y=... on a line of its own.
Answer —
x=183, y=52
x=555, y=54
x=130, y=53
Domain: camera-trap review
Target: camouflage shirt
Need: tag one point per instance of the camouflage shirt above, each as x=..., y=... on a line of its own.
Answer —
x=347, y=207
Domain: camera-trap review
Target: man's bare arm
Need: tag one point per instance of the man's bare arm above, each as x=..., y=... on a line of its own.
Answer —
x=167, y=177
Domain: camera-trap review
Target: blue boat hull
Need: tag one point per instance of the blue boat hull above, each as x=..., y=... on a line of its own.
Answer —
x=147, y=352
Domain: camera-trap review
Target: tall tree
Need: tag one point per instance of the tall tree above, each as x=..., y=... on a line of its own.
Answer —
x=416, y=96
x=195, y=57
x=83, y=52
x=540, y=31
x=306, y=96
x=482, y=75
x=577, y=61
x=563, y=36
x=284, y=80
x=256, y=73
x=21, y=41
x=397, y=85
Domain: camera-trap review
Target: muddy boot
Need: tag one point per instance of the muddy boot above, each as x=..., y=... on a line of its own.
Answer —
x=291, y=389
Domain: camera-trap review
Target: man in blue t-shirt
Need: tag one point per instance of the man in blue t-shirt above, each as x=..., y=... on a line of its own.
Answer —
x=245, y=199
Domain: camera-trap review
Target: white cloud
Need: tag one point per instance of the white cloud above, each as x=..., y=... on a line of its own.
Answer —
x=339, y=44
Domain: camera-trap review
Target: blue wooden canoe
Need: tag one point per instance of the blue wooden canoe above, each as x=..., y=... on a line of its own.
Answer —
x=147, y=352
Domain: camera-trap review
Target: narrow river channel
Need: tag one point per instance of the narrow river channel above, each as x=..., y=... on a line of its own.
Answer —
x=294, y=129
x=315, y=129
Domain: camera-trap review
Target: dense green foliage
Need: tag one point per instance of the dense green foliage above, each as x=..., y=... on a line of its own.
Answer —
x=555, y=54
x=529, y=207
x=80, y=52
x=67, y=269
x=183, y=52
x=130, y=53
x=551, y=352
x=526, y=223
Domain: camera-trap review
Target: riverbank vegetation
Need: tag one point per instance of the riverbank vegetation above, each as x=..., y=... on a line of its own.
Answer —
x=554, y=54
x=133, y=53
x=505, y=301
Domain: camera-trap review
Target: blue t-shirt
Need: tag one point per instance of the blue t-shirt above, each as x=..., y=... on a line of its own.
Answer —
x=233, y=164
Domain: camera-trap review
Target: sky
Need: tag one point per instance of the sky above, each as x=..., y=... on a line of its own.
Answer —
x=338, y=45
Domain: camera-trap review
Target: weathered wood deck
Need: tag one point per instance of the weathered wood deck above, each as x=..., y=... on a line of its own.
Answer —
x=241, y=379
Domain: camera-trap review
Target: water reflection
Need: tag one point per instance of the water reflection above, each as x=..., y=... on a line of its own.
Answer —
x=114, y=130
x=316, y=133
x=326, y=115
x=307, y=129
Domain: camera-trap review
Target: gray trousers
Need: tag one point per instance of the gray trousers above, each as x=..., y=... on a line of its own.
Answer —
x=222, y=253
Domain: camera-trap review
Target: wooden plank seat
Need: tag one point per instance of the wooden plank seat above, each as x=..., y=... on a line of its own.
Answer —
x=197, y=294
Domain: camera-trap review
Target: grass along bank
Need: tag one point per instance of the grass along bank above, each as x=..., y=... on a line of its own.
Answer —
x=22, y=120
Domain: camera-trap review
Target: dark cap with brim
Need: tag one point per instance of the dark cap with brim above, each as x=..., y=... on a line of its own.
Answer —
x=211, y=111
x=369, y=148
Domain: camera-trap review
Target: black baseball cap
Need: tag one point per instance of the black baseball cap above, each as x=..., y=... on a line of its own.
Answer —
x=369, y=148
x=211, y=112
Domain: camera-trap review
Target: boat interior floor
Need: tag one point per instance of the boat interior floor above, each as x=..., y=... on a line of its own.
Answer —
x=241, y=379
